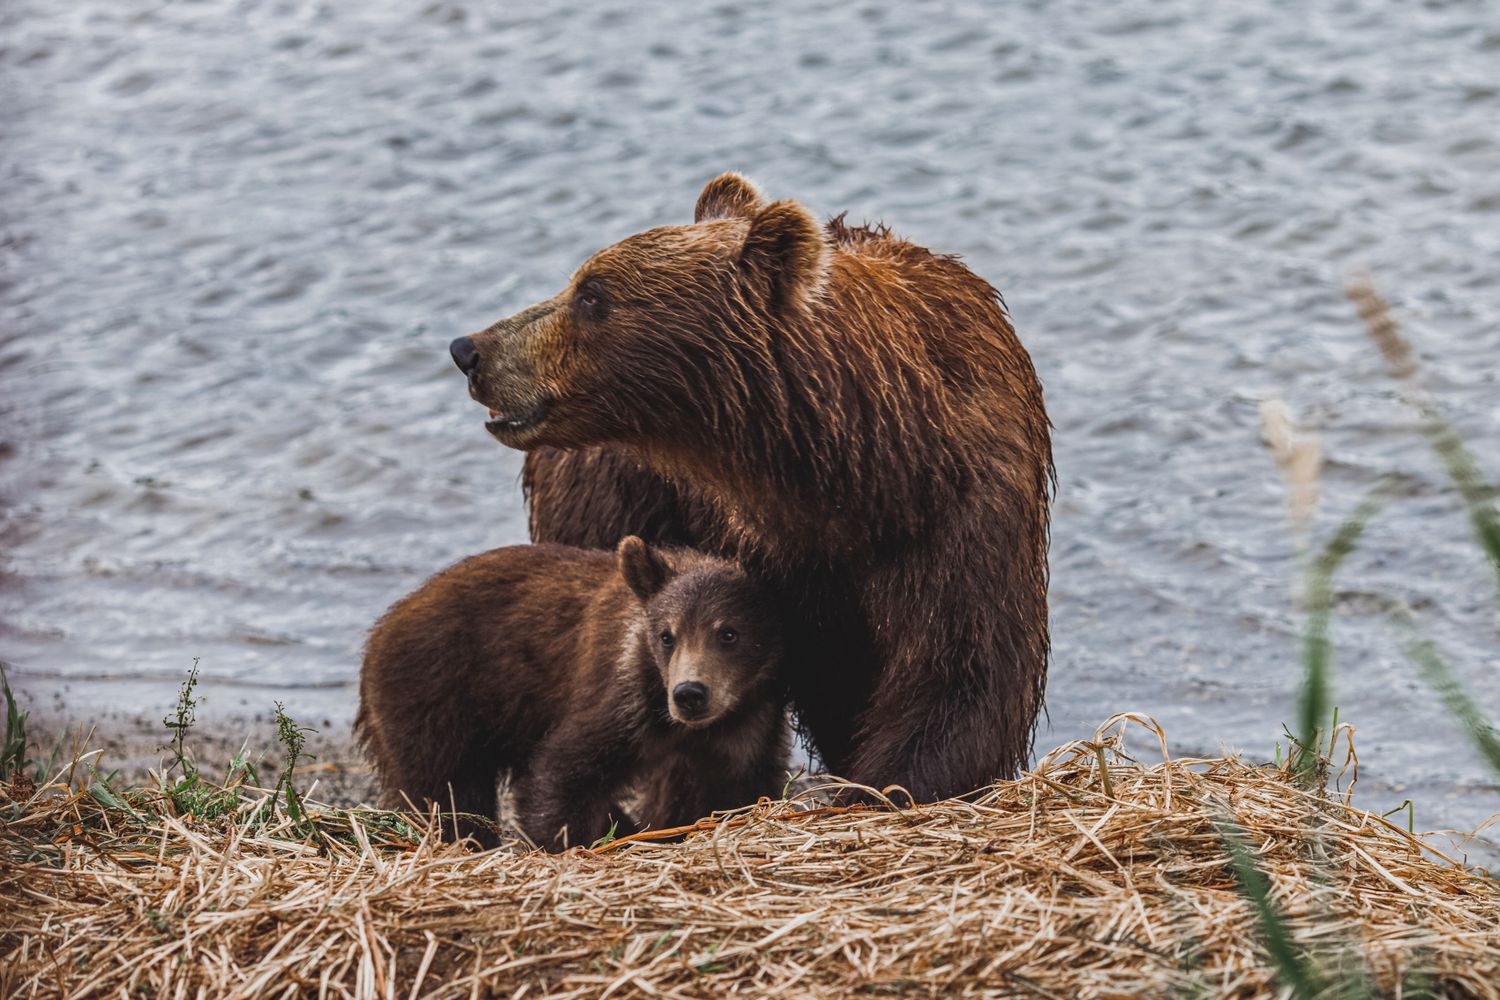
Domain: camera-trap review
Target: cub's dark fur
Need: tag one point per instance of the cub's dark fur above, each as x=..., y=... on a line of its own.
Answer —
x=586, y=677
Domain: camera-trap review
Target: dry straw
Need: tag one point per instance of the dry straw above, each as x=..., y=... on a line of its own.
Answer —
x=1298, y=455
x=1095, y=875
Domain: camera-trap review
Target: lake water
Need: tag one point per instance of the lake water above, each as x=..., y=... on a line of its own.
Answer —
x=236, y=237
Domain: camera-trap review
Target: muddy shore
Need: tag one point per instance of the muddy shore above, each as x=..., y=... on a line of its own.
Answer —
x=334, y=770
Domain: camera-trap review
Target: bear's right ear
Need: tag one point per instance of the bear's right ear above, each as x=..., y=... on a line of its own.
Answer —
x=728, y=196
x=643, y=568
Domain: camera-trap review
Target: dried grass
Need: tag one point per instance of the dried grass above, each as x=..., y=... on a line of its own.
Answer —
x=1298, y=455
x=1095, y=875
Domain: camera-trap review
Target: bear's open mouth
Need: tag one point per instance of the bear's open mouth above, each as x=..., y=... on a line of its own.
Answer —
x=512, y=423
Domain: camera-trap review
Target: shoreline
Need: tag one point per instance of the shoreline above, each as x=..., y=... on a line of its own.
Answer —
x=1150, y=877
x=334, y=770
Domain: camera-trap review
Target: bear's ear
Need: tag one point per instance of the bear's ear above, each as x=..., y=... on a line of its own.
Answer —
x=786, y=249
x=728, y=196
x=643, y=568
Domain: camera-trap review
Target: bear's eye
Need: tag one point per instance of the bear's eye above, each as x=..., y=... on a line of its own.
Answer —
x=667, y=640
x=590, y=300
x=727, y=636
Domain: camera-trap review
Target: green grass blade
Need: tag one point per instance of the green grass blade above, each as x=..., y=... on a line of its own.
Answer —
x=13, y=759
x=104, y=793
x=1436, y=673
x=1296, y=972
x=293, y=804
x=41, y=772
x=1477, y=493
x=1317, y=655
x=609, y=835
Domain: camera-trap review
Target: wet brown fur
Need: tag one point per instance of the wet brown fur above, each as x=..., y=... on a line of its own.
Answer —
x=543, y=663
x=847, y=413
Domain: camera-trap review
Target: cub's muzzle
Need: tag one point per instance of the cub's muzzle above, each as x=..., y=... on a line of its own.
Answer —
x=690, y=699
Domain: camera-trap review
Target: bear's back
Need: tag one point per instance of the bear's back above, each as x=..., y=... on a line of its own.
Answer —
x=520, y=608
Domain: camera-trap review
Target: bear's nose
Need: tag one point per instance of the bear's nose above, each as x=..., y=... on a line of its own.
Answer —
x=691, y=698
x=465, y=355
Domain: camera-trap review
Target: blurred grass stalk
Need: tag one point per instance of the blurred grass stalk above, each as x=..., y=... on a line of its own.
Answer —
x=1314, y=705
x=1298, y=455
x=1297, y=970
x=1421, y=651
x=1477, y=493
x=1478, y=496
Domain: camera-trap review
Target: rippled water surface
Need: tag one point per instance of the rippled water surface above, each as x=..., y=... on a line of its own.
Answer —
x=235, y=239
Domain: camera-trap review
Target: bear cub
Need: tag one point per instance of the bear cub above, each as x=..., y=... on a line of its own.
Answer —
x=588, y=678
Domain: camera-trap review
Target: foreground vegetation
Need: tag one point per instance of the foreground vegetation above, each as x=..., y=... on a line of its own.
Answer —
x=1098, y=873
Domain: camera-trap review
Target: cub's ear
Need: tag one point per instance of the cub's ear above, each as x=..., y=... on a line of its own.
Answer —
x=643, y=568
x=728, y=196
x=787, y=251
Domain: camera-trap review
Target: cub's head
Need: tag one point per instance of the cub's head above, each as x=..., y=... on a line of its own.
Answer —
x=714, y=634
x=648, y=328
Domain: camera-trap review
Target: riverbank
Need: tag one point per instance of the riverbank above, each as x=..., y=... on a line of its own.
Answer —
x=334, y=772
x=1096, y=874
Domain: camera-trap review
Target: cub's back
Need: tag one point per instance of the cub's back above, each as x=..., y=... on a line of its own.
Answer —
x=544, y=588
x=506, y=619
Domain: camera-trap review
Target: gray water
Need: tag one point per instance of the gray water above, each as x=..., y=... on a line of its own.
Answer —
x=235, y=238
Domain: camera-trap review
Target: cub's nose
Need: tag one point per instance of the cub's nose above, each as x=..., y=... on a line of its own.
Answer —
x=691, y=698
x=465, y=354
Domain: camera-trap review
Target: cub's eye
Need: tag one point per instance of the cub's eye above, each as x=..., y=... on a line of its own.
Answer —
x=727, y=636
x=667, y=640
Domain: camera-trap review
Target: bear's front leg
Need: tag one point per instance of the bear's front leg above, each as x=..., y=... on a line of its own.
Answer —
x=566, y=797
x=937, y=741
x=472, y=795
x=683, y=788
x=955, y=702
x=465, y=791
x=673, y=794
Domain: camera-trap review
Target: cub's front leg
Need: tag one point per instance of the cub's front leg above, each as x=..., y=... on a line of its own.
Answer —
x=566, y=797
x=685, y=787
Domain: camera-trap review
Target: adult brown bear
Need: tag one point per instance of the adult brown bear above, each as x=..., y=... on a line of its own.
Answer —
x=849, y=415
